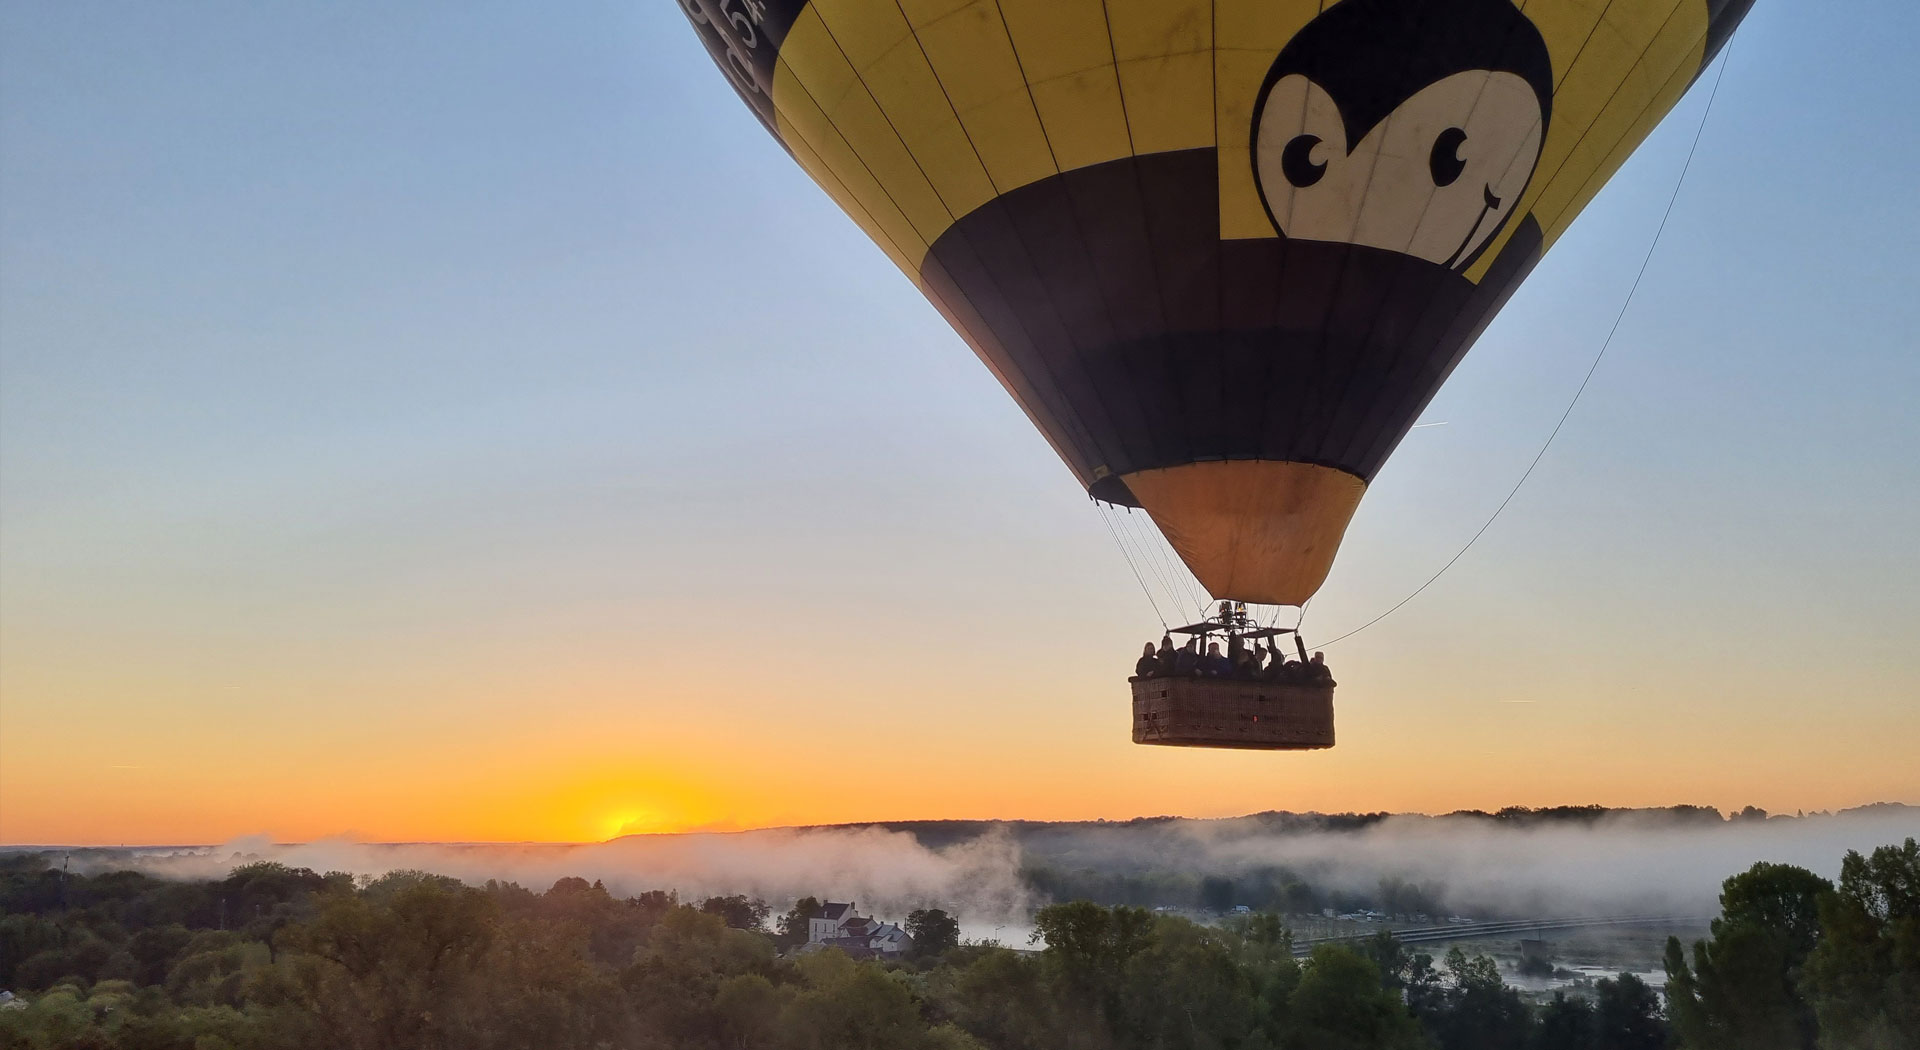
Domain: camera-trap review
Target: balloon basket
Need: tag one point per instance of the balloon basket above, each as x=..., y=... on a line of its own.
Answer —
x=1232, y=713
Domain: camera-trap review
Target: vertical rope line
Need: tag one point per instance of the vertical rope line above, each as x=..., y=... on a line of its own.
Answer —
x=1165, y=581
x=1726, y=55
x=1183, y=594
x=1144, y=589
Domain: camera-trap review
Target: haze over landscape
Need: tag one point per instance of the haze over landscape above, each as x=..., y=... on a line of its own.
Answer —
x=1614, y=864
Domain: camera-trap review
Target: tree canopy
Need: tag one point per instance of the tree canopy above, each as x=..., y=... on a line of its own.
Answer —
x=278, y=958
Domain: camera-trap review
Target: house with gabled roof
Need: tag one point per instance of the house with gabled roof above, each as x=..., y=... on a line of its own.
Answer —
x=827, y=923
x=889, y=939
x=839, y=926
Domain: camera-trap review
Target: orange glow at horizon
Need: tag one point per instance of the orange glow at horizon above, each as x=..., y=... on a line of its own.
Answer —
x=611, y=772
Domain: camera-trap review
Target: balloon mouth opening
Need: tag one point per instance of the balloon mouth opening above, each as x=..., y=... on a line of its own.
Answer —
x=1257, y=531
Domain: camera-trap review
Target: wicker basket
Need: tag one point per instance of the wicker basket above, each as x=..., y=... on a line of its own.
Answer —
x=1230, y=712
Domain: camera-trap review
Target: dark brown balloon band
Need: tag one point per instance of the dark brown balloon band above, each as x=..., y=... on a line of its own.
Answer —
x=1139, y=339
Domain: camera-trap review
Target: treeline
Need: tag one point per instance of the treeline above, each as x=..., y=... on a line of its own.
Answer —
x=1038, y=834
x=413, y=960
x=276, y=958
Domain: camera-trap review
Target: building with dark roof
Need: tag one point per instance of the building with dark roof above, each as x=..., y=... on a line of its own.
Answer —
x=840, y=926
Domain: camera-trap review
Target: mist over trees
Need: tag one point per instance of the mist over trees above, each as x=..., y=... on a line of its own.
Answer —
x=279, y=958
x=1548, y=860
x=1510, y=864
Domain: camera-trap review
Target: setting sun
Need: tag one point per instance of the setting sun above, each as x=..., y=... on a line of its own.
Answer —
x=638, y=822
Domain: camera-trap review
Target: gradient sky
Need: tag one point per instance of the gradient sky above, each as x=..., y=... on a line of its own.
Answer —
x=462, y=421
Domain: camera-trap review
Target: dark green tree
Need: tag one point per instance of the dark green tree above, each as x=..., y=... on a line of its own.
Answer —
x=1740, y=990
x=391, y=966
x=933, y=931
x=749, y=1006
x=1477, y=1011
x=1340, y=1004
x=737, y=911
x=1086, y=964
x=674, y=981
x=155, y=950
x=1187, y=989
x=651, y=907
x=791, y=929
x=1266, y=955
x=1778, y=897
x=1407, y=972
x=1002, y=998
x=1087, y=946
x=613, y=928
x=21, y=938
x=1565, y=1024
x=847, y=1006
x=1627, y=1015
x=1863, y=978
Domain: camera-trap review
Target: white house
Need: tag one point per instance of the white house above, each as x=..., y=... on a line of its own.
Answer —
x=838, y=926
x=827, y=923
x=889, y=939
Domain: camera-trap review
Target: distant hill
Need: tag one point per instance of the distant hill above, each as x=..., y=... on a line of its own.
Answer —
x=1034, y=835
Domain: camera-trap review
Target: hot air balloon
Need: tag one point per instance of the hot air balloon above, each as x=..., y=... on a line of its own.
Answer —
x=1222, y=252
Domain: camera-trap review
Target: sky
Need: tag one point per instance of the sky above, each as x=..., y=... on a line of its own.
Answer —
x=461, y=422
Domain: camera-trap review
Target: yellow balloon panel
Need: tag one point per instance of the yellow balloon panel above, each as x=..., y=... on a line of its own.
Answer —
x=1183, y=232
x=963, y=101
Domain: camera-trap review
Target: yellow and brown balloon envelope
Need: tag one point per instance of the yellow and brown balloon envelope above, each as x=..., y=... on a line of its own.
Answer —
x=1222, y=252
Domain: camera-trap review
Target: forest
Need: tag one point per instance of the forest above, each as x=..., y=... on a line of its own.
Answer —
x=273, y=957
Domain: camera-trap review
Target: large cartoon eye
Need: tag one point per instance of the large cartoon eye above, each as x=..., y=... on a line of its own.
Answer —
x=1296, y=161
x=1437, y=178
x=1300, y=161
x=1445, y=162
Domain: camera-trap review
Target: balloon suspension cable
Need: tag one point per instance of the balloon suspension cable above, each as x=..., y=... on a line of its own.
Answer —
x=1176, y=570
x=1105, y=516
x=1726, y=55
x=1143, y=546
x=1141, y=543
x=1299, y=614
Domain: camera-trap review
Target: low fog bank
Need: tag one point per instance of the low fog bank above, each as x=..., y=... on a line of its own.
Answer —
x=886, y=872
x=1620, y=863
x=1482, y=866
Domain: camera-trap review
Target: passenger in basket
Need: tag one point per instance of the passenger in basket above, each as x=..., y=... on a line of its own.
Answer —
x=1148, y=665
x=1186, y=662
x=1215, y=665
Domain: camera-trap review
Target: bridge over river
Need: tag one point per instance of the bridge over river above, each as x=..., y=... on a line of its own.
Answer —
x=1517, y=927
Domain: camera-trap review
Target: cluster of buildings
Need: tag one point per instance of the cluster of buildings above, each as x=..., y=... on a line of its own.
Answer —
x=860, y=936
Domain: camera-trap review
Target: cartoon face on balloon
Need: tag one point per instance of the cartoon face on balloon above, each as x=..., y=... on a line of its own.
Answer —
x=1378, y=127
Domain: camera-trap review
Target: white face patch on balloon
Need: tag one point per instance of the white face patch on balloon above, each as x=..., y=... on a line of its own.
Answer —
x=1435, y=179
